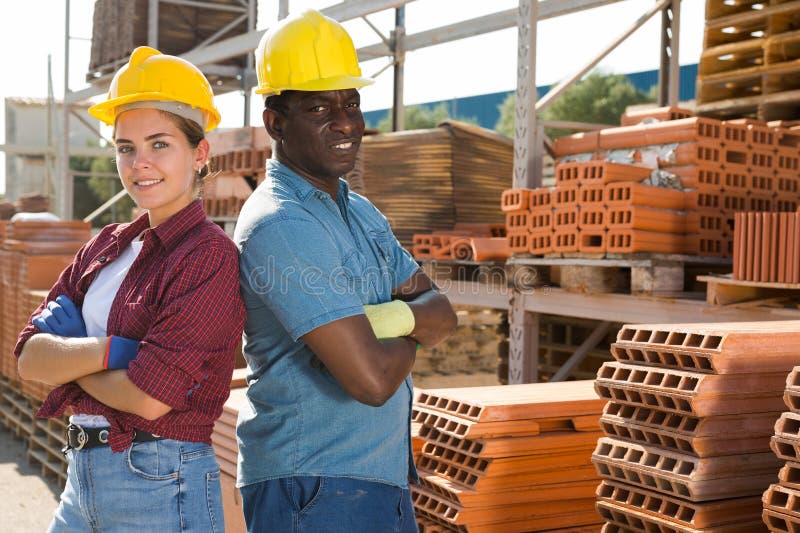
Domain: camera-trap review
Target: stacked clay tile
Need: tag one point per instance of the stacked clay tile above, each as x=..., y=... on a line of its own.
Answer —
x=722, y=167
x=765, y=247
x=749, y=61
x=691, y=409
x=238, y=159
x=32, y=257
x=506, y=458
x=226, y=449
x=465, y=242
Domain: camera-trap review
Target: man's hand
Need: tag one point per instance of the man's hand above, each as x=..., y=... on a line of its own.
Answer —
x=62, y=318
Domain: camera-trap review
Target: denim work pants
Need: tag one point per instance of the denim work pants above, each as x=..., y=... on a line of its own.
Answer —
x=308, y=504
x=160, y=486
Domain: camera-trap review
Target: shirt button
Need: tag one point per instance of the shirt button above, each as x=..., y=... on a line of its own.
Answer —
x=102, y=259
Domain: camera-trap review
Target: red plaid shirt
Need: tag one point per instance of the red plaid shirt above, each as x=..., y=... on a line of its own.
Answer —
x=181, y=299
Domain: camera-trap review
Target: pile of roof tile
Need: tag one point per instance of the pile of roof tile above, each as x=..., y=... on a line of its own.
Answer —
x=430, y=180
x=32, y=257
x=609, y=197
x=507, y=458
x=691, y=408
x=782, y=500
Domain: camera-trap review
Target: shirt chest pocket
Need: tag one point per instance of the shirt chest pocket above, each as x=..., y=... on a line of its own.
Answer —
x=136, y=320
x=383, y=242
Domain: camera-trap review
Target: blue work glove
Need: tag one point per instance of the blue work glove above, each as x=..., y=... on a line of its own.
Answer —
x=120, y=353
x=61, y=317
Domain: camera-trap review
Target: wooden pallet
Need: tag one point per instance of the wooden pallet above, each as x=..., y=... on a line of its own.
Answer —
x=723, y=290
x=44, y=447
x=644, y=274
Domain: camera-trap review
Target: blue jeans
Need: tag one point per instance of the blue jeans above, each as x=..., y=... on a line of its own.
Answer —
x=306, y=504
x=165, y=485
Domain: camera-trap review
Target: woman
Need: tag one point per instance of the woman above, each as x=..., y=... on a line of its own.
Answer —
x=139, y=332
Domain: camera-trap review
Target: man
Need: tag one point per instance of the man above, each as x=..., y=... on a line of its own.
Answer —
x=324, y=440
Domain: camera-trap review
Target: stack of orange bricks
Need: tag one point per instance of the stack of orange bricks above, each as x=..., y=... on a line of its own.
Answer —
x=782, y=500
x=691, y=408
x=723, y=167
x=33, y=255
x=506, y=458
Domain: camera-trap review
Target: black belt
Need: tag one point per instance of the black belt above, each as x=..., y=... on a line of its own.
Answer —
x=79, y=437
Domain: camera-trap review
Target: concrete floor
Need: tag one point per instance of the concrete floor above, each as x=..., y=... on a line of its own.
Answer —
x=27, y=498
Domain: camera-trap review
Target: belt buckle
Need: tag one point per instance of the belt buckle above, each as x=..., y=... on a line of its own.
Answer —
x=82, y=437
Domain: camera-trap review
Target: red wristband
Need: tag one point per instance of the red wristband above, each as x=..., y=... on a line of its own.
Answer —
x=105, y=357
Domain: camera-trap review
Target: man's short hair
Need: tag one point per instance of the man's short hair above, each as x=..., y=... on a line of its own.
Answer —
x=278, y=102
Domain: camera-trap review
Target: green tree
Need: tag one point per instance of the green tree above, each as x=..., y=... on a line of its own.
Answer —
x=598, y=98
x=420, y=117
x=104, y=188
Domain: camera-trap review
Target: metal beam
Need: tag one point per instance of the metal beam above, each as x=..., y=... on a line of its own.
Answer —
x=152, y=23
x=245, y=44
x=398, y=47
x=206, y=5
x=669, y=68
x=581, y=352
x=481, y=25
x=44, y=150
x=528, y=150
x=111, y=201
x=562, y=86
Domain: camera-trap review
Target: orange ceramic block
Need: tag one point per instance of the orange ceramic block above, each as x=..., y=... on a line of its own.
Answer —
x=608, y=172
x=517, y=222
x=488, y=249
x=785, y=205
x=541, y=241
x=622, y=137
x=441, y=246
x=592, y=194
x=761, y=160
x=565, y=240
x=646, y=218
x=469, y=229
x=627, y=241
x=734, y=136
x=694, y=153
x=622, y=519
x=577, y=144
x=787, y=183
x=540, y=218
x=760, y=200
x=698, y=175
x=541, y=197
x=683, y=130
x=566, y=196
x=787, y=138
x=733, y=201
x=569, y=173
x=644, y=195
x=760, y=136
x=592, y=217
x=735, y=181
x=787, y=160
x=592, y=241
x=514, y=200
x=422, y=245
x=518, y=242
x=710, y=221
x=655, y=116
x=566, y=218
x=706, y=244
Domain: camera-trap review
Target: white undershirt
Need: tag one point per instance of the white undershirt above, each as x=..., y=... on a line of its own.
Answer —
x=97, y=306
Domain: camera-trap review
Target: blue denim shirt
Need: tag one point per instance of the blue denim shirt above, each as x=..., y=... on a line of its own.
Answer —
x=307, y=260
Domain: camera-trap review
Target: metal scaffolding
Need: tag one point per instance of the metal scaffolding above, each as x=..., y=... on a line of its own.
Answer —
x=529, y=138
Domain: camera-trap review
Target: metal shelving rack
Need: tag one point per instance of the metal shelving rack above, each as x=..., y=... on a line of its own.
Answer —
x=530, y=142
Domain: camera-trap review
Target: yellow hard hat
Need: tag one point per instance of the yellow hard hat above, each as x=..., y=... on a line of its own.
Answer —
x=307, y=52
x=170, y=83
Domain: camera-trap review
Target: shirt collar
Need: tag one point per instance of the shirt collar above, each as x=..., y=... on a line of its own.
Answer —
x=300, y=185
x=170, y=232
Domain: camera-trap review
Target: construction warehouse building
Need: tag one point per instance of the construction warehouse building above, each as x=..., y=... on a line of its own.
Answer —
x=627, y=357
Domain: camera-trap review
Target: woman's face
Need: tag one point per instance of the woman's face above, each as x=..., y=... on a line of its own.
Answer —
x=156, y=163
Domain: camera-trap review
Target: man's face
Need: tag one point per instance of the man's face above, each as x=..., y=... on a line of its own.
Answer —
x=321, y=132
